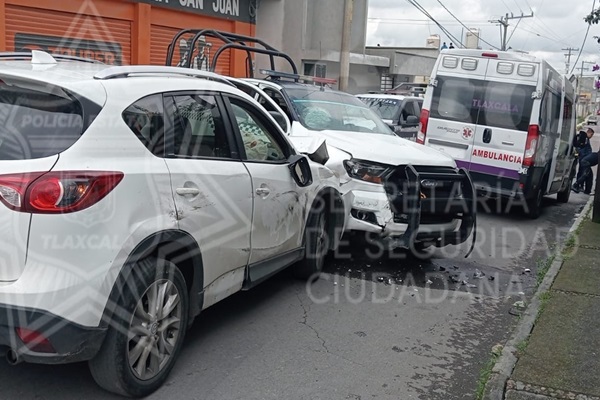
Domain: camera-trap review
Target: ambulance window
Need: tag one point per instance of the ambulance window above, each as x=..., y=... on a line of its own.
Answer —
x=505, y=106
x=453, y=99
x=550, y=115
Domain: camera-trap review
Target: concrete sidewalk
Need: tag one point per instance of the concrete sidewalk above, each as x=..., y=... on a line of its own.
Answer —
x=561, y=357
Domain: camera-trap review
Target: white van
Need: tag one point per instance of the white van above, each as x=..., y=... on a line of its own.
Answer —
x=508, y=118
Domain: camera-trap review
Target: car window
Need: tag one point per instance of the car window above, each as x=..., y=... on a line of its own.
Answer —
x=384, y=107
x=145, y=118
x=330, y=110
x=409, y=109
x=36, y=123
x=198, y=129
x=258, y=136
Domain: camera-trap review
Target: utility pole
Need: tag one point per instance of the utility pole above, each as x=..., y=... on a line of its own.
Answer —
x=568, y=55
x=345, y=50
x=504, y=22
x=582, y=68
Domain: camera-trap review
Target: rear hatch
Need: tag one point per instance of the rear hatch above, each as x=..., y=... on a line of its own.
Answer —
x=37, y=123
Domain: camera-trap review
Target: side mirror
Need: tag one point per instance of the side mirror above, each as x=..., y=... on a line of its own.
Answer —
x=300, y=169
x=320, y=155
x=412, y=120
x=280, y=120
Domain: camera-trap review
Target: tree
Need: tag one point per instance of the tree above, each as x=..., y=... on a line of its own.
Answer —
x=593, y=17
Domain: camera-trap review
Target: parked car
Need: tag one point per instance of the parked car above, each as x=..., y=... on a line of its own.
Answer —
x=401, y=113
x=132, y=199
x=508, y=118
x=592, y=120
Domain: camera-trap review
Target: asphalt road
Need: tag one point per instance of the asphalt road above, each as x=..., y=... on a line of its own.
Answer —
x=389, y=328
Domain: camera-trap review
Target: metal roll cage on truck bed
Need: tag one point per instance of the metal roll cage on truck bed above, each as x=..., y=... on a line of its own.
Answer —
x=426, y=192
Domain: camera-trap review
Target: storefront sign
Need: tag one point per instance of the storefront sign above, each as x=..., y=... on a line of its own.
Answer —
x=240, y=10
x=106, y=52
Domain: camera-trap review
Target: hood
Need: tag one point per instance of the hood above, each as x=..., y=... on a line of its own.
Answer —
x=384, y=149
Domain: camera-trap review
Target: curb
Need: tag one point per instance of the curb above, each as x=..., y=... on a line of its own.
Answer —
x=495, y=386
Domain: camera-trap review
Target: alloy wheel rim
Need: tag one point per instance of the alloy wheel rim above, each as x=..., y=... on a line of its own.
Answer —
x=154, y=330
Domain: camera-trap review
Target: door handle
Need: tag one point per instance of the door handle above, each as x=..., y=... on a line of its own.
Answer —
x=187, y=191
x=263, y=191
x=487, y=135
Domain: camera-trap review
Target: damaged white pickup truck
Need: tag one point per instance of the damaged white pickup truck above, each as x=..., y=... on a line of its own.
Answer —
x=399, y=193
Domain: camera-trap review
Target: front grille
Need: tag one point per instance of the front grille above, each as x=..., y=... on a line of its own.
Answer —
x=440, y=193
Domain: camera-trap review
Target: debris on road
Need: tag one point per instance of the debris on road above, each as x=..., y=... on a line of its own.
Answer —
x=497, y=349
x=478, y=274
x=442, y=269
x=527, y=270
x=517, y=308
x=380, y=279
x=491, y=277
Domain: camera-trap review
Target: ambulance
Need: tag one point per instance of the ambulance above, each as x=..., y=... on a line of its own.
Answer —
x=508, y=118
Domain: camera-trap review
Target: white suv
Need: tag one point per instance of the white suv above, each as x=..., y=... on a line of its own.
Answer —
x=132, y=199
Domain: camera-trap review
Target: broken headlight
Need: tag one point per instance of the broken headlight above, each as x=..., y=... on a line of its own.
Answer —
x=366, y=170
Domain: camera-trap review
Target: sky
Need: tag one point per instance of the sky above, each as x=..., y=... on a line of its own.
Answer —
x=555, y=25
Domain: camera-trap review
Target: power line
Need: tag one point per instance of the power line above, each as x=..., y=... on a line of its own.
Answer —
x=468, y=29
x=529, y=5
x=542, y=36
x=518, y=6
x=514, y=29
x=424, y=11
x=584, y=39
x=506, y=5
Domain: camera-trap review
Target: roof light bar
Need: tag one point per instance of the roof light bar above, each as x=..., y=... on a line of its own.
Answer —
x=296, y=77
x=450, y=62
x=279, y=74
x=526, y=69
x=470, y=64
x=505, y=68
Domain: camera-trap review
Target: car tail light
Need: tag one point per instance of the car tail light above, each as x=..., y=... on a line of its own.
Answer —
x=56, y=192
x=35, y=341
x=423, y=121
x=533, y=134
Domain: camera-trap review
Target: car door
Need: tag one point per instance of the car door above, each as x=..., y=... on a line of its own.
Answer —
x=279, y=204
x=211, y=187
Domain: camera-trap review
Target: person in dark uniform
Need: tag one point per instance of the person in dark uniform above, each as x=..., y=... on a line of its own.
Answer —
x=587, y=159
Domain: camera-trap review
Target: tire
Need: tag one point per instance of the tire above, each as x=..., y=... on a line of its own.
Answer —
x=156, y=337
x=534, y=204
x=316, y=242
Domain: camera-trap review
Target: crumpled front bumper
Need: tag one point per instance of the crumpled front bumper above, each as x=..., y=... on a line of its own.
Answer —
x=407, y=212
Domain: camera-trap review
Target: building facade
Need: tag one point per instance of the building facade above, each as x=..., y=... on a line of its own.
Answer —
x=120, y=31
x=123, y=32
x=310, y=31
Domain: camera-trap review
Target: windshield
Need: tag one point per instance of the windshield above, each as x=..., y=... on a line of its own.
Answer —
x=320, y=110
